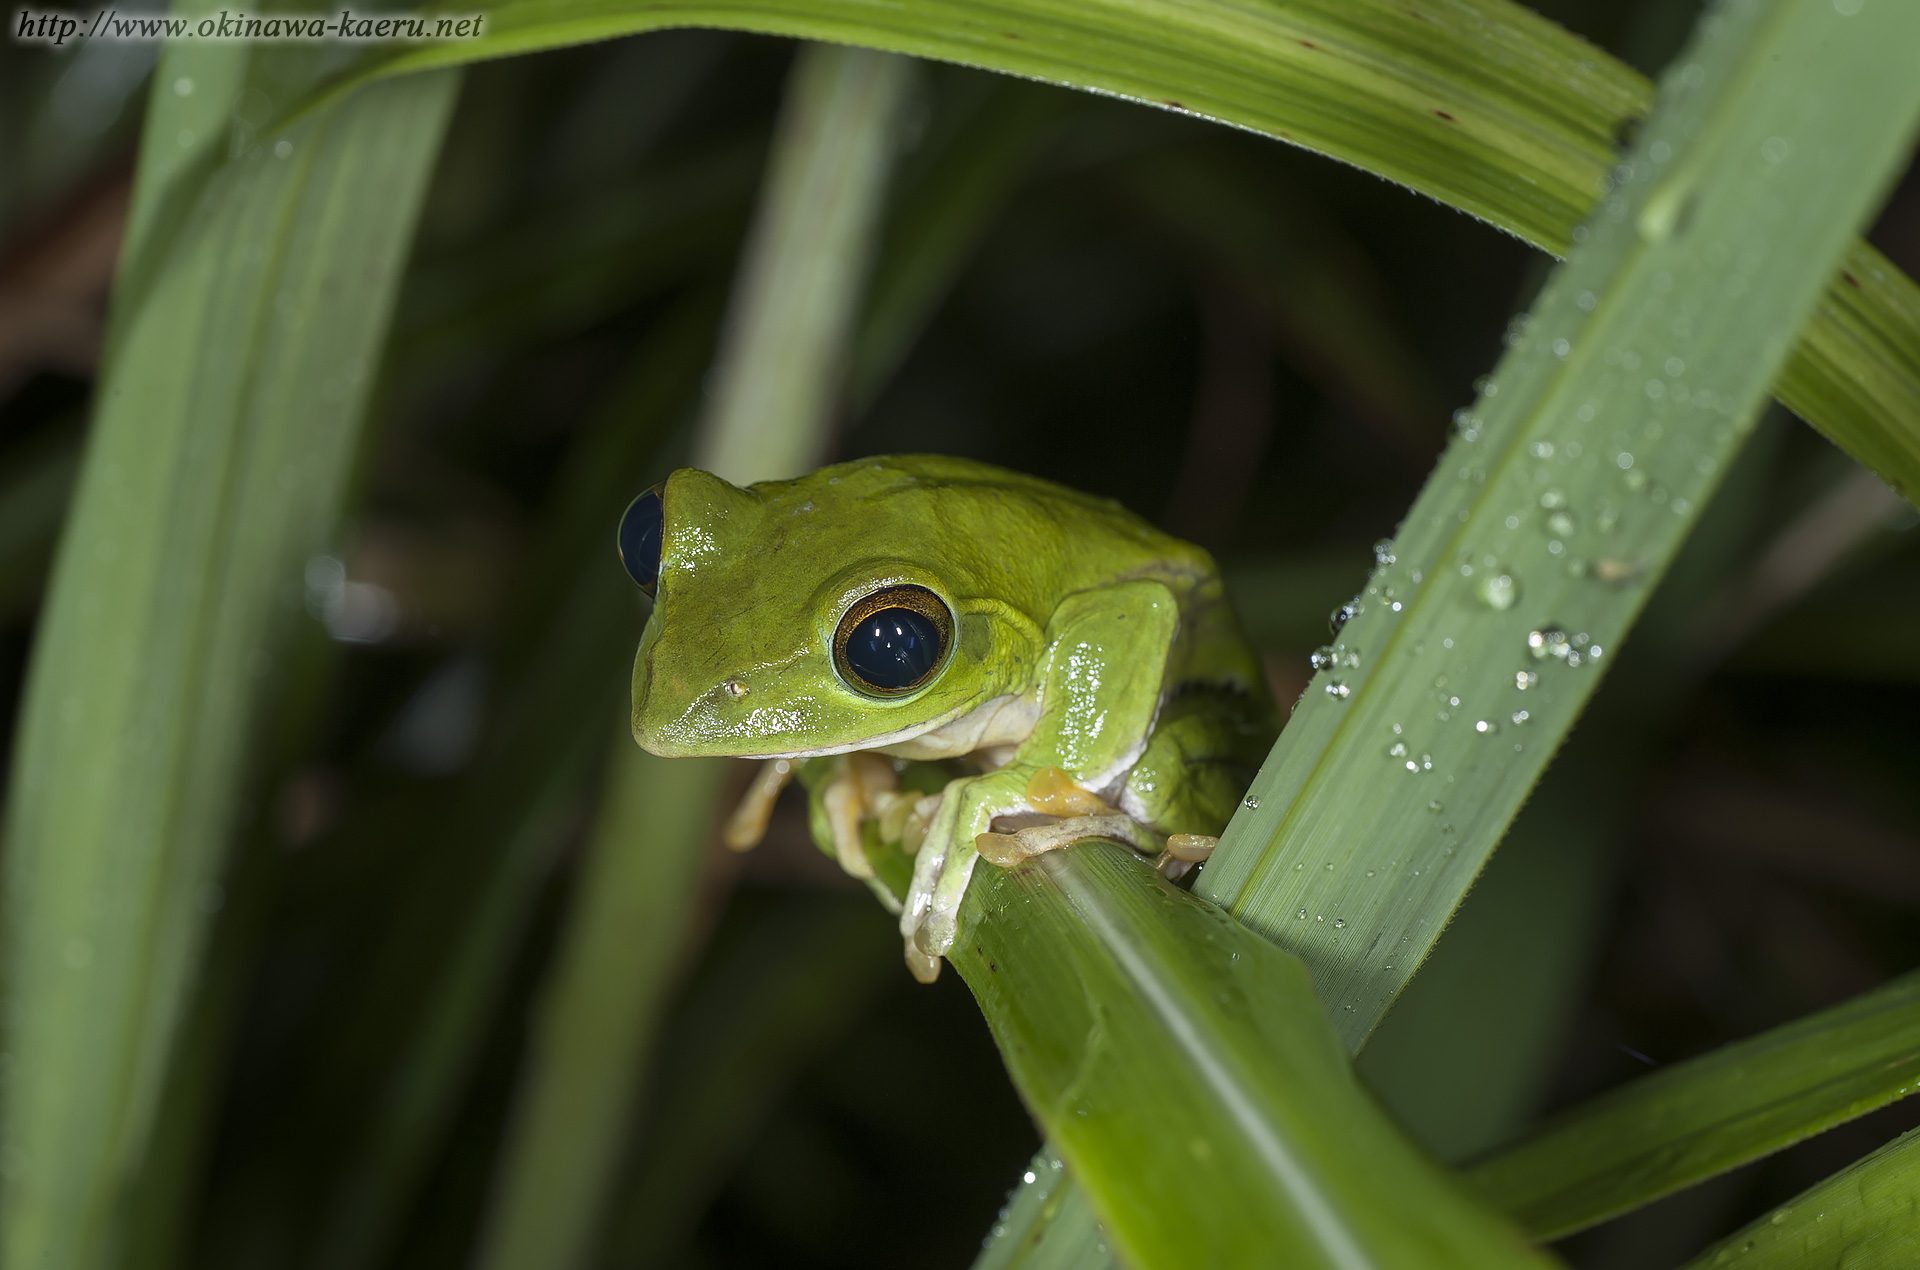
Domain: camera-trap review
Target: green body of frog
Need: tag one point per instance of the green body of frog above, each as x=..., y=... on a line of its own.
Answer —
x=930, y=608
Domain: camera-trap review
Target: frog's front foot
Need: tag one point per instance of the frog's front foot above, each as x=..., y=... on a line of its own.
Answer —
x=1060, y=813
x=945, y=862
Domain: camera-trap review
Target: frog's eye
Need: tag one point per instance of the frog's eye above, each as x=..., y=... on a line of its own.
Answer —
x=639, y=540
x=892, y=641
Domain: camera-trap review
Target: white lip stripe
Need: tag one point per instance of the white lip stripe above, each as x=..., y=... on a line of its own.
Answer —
x=990, y=708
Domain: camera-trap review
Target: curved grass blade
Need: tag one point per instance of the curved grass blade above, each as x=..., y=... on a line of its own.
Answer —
x=1567, y=490
x=1861, y=1218
x=1465, y=1056
x=1187, y=1071
x=1481, y=104
x=227, y=421
x=1688, y=1122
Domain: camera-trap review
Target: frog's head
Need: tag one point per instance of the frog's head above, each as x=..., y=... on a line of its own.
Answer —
x=820, y=615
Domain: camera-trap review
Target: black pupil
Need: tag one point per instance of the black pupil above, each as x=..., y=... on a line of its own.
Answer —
x=640, y=539
x=893, y=649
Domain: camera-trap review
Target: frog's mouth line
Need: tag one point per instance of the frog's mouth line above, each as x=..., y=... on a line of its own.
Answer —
x=1005, y=720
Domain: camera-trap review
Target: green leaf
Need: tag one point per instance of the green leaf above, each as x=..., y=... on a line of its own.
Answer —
x=228, y=417
x=1055, y=1210
x=1481, y=104
x=1469, y=1049
x=1186, y=1070
x=1694, y=1119
x=1861, y=1218
x=1565, y=493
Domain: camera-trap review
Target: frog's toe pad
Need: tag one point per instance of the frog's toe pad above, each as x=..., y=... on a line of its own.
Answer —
x=1184, y=850
x=924, y=966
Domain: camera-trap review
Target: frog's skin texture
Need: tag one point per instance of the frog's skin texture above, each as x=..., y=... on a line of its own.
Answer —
x=1082, y=639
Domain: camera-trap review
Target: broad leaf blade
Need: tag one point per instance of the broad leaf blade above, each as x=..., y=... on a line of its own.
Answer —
x=1187, y=1071
x=227, y=422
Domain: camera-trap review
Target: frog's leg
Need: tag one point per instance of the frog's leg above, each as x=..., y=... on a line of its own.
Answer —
x=1206, y=747
x=1100, y=684
x=748, y=823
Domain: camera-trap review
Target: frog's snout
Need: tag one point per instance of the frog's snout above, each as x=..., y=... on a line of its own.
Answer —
x=674, y=719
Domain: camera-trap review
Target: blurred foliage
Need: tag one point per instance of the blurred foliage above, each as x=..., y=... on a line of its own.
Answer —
x=1755, y=858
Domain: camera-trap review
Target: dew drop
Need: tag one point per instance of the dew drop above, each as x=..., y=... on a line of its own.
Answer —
x=1549, y=642
x=1338, y=690
x=1498, y=589
x=1433, y=805
x=1303, y=914
x=1340, y=923
x=1399, y=749
x=1485, y=727
x=1520, y=717
x=1250, y=803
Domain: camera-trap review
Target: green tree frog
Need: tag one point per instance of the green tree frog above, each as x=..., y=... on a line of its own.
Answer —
x=1083, y=670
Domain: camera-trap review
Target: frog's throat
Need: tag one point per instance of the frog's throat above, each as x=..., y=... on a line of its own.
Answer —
x=1003, y=721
